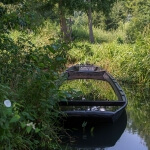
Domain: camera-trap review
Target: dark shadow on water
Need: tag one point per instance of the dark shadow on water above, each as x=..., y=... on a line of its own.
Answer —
x=94, y=134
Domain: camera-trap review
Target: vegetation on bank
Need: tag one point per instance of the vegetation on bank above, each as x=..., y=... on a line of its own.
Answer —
x=30, y=80
x=33, y=54
x=125, y=61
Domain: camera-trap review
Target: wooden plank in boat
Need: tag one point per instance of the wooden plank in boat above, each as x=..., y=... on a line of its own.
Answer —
x=91, y=103
x=85, y=75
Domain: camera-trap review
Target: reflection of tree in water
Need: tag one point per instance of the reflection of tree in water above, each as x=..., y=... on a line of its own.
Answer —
x=139, y=111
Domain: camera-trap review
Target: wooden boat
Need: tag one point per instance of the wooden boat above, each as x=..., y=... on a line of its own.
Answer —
x=95, y=73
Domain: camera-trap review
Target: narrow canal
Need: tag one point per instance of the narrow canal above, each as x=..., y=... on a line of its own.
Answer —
x=130, y=132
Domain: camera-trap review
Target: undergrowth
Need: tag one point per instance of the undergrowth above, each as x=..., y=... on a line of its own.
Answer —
x=30, y=80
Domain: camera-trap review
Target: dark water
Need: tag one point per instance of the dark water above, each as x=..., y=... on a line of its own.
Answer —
x=130, y=132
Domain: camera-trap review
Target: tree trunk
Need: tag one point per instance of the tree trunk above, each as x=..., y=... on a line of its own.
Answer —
x=91, y=36
x=63, y=24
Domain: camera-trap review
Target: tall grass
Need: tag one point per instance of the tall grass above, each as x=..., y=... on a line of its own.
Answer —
x=125, y=61
x=101, y=36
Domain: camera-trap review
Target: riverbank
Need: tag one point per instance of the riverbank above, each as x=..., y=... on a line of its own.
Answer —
x=33, y=54
x=127, y=62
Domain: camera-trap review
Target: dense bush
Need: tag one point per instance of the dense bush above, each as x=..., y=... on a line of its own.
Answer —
x=30, y=80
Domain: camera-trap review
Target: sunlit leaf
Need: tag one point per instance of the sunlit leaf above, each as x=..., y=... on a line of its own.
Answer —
x=15, y=118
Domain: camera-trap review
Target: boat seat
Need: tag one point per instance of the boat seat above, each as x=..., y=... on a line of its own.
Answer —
x=91, y=103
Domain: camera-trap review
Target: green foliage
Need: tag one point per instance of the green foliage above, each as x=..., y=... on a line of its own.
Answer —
x=10, y=1
x=20, y=15
x=140, y=20
x=117, y=15
x=127, y=62
x=30, y=64
x=103, y=5
x=32, y=73
x=79, y=89
x=32, y=58
x=2, y=9
x=99, y=20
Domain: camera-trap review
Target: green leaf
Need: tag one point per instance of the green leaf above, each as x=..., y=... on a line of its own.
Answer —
x=37, y=130
x=41, y=65
x=8, y=111
x=92, y=131
x=23, y=124
x=84, y=124
x=15, y=118
x=68, y=95
x=29, y=129
x=36, y=141
x=59, y=58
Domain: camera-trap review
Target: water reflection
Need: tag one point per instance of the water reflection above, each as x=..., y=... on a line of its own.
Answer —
x=138, y=111
x=96, y=136
x=88, y=89
x=136, y=136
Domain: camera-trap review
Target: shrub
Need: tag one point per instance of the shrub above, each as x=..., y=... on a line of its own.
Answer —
x=30, y=79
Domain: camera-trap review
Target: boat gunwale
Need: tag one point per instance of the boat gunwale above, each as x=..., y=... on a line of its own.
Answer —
x=105, y=76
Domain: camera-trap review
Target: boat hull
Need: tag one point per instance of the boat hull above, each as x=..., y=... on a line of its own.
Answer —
x=93, y=72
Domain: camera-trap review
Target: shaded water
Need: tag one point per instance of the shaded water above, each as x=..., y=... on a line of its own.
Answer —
x=130, y=132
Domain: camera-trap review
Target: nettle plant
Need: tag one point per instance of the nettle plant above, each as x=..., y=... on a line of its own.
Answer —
x=13, y=124
x=8, y=117
x=5, y=113
x=30, y=81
